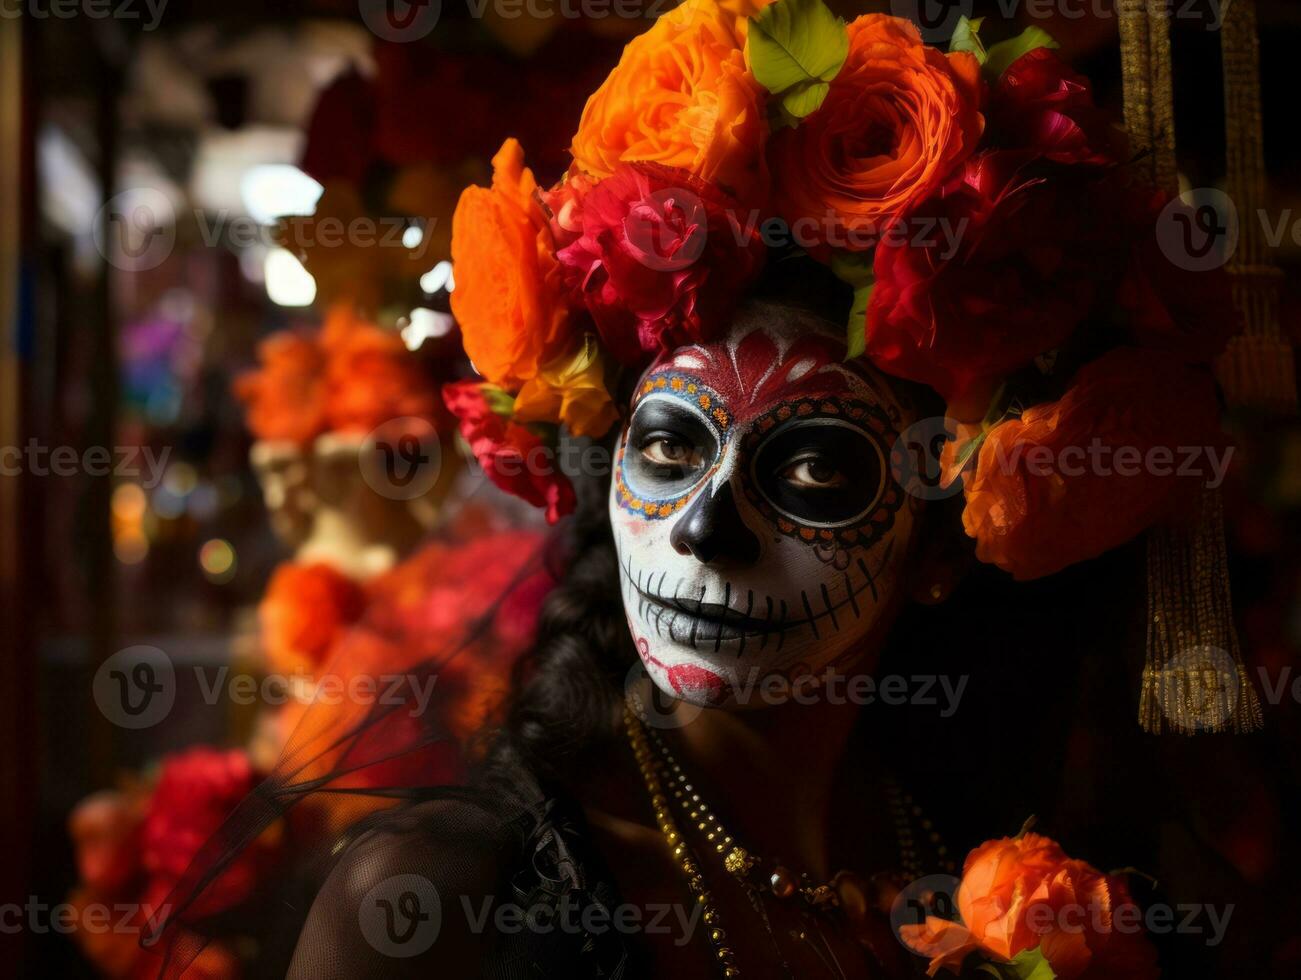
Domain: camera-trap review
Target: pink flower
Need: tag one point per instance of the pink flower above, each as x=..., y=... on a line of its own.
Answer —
x=662, y=260
x=1039, y=104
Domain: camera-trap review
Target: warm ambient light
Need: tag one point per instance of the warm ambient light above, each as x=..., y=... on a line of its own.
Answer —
x=275, y=190
x=288, y=283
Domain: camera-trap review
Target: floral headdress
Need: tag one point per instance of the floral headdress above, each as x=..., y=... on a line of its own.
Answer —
x=985, y=211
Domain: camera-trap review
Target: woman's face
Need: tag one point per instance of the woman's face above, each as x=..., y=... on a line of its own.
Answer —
x=758, y=527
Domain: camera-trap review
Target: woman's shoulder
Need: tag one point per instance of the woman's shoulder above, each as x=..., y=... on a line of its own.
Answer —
x=408, y=892
x=457, y=886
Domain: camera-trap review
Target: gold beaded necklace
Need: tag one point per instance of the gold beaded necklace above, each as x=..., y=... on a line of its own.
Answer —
x=658, y=767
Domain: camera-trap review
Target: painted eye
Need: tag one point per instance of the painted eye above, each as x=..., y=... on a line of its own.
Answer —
x=812, y=472
x=820, y=471
x=666, y=451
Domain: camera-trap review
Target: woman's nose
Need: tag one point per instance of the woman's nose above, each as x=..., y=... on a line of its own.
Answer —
x=712, y=529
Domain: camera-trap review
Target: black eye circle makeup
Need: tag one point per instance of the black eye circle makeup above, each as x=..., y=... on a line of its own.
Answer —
x=820, y=472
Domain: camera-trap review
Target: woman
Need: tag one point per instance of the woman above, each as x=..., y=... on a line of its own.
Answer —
x=676, y=591
x=757, y=542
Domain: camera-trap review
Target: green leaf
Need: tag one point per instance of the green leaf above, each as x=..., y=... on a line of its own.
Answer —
x=966, y=37
x=855, y=269
x=1028, y=965
x=856, y=339
x=1002, y=55
x=794, y=48
x=804, y=99
x=970, y=449
x=499, y=401
x=1031, y=965
x=852, y=268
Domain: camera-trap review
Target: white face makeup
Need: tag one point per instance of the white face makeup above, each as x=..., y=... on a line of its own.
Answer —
x=758, y=527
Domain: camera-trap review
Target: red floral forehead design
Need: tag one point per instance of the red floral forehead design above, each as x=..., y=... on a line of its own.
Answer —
x=974, y=198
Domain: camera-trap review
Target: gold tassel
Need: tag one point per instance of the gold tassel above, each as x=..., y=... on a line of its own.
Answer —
x=1148, y=88
x=1195, y=680
x=1257, y=370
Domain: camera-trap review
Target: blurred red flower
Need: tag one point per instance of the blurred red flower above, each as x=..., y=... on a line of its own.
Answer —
x=196, y=790
x=512, y=456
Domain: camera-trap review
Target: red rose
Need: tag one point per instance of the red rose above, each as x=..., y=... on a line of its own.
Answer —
x=512, y=456
x=197, y=789
x=661, y=261
x=1188, y=312
x=1040, y=104
x=1007, y=270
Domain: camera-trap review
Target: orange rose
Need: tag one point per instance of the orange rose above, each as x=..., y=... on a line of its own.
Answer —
x=509, y=298
x=897, y=120
x=305, y=610
x=285, y=396
x=681, y=96
x=1025, y=893
x=1074, y=478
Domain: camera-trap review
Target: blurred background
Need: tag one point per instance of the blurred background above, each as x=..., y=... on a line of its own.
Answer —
x=166, y=176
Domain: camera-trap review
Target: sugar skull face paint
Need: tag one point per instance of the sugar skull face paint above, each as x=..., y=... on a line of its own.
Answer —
x=758, y=527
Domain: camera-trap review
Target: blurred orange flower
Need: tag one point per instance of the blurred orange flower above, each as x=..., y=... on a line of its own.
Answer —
x=1071, y=479
x=897, y=120
x=304, y=611
x=509, y=298
x=1025, y=893
x=285, y=397
x=681, y=96
x=372, y=378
